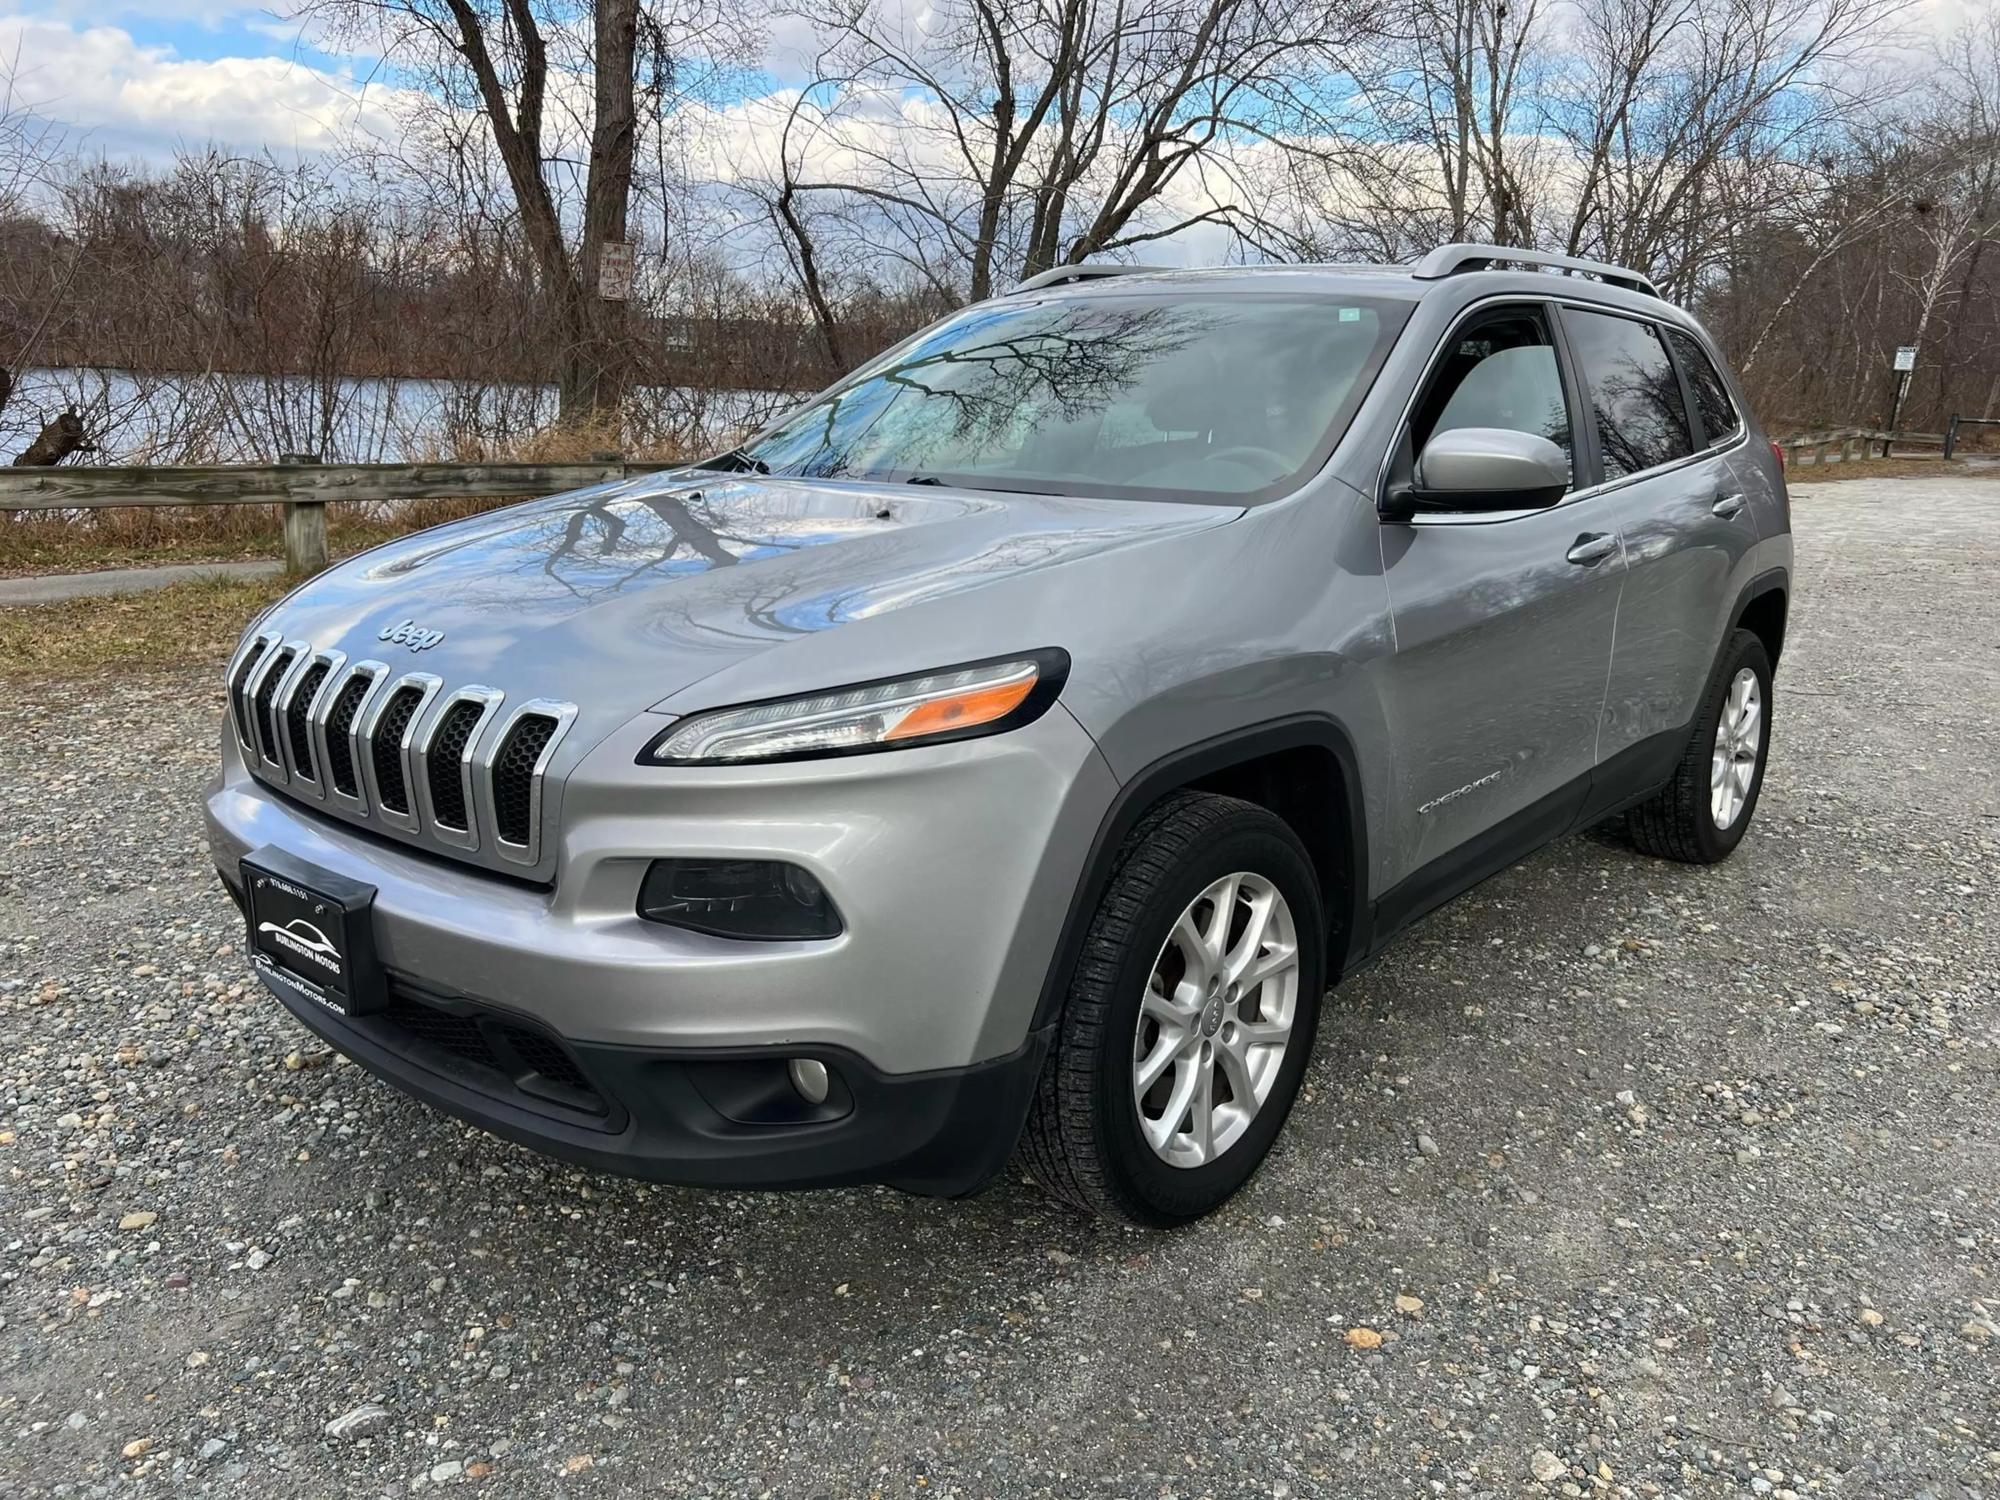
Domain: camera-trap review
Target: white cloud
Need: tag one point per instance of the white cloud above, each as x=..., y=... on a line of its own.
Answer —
x=128, y=100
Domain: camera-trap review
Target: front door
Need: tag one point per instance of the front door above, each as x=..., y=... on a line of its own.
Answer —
x=1503, y=629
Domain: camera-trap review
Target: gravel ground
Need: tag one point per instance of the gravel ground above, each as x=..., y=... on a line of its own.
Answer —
x=1616, y=1177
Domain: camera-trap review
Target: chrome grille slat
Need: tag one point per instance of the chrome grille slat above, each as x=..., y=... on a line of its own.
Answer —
x=341, y=734
x=294, y=710
x=334, y=730
x=390, y=734
x=444, y=761
x=499, y=742
x=242, y=678
x=270, y=675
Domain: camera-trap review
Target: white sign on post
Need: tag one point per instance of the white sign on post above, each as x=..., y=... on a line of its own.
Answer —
x=615, y=268
x=1906, y=359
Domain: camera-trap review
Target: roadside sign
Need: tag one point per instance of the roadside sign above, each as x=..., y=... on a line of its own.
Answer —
x=1906, y=359
x=615, y=266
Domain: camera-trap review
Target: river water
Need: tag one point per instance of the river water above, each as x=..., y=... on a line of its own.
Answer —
x=206, y=417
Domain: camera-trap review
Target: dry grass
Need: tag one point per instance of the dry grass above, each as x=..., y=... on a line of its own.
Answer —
x=1890, y=468
x=141, y=536
x=185, y=624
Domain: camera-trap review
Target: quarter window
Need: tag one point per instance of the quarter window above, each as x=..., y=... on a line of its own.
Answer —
x=1719, y=421
x=1642, y=420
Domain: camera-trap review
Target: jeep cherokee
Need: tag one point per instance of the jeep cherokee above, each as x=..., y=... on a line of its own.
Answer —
x=1002, y=753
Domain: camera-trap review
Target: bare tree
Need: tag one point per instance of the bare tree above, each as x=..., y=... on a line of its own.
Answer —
x=1664, y=98
x=1028, y=136
x=522, y=65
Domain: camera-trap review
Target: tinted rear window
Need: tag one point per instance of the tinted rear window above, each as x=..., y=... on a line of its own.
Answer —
x=1642, y=422
x=1719, y=421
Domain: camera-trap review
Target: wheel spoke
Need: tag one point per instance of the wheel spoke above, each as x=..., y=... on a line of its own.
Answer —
x=1193, y=943
x=1201, y=1111
x=1281, y=960
x=1266, y=1033
x=1223, y=894
x=1169, y=1046
x=1244, y=954
x=1746, y=725
x=1177, y=1012
x=1160, y=1132
x=1234, y=1060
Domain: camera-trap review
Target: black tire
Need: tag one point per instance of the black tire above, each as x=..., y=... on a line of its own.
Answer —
x=1678, y=821
x=1083, y=1140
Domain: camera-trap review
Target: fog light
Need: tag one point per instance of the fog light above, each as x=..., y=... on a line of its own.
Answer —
x=809, y=1078
x=738, y=898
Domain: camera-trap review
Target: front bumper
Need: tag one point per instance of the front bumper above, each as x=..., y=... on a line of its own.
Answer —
x=952, y=866
x=678, y=1115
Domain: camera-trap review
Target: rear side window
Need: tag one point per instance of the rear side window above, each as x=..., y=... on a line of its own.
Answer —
x=1642, y=421
x=1719, y=421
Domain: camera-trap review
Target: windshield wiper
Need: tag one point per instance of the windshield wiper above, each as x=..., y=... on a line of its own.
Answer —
x=735, y=461
x=923, y=479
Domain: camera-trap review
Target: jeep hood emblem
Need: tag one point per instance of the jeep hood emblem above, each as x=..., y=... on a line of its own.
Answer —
x=409, y=633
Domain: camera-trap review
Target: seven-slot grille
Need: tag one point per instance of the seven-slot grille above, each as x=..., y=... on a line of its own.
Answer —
x=396, y=752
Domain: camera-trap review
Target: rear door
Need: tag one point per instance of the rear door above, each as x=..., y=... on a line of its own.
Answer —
x=1662, y=426
x=1502, y=624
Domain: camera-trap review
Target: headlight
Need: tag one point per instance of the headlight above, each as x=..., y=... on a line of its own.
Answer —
x=953, y=704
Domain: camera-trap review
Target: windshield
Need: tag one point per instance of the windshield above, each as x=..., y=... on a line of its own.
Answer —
x=1221, y=398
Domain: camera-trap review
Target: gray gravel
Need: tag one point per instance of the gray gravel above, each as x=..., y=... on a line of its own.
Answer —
x=1615, y=1178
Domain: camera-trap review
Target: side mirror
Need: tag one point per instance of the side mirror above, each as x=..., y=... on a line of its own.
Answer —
x=1485, y=468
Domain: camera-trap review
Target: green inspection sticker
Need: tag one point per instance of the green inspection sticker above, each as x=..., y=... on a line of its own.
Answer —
x=1350, y=315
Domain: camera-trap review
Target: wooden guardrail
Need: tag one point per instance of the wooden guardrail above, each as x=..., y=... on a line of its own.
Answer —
x=1851, y=442
x=1957, y=423
x=302, y=487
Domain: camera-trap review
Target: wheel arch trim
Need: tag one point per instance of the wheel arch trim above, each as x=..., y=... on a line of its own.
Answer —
x=1771, y=581
x=1183, y=767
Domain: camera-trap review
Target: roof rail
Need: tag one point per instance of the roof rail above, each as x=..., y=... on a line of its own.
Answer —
x=1451, y=260
x=1056, y=275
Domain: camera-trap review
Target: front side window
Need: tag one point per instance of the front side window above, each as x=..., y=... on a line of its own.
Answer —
x=1719, y=421
x=1642, y=420
x=1499, y=371
x=1138, y=397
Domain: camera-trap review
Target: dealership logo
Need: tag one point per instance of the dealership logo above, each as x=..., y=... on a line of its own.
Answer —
x=409, y=633
x=301, y=937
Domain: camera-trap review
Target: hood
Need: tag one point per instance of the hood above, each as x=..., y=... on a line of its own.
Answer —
x=623, y=595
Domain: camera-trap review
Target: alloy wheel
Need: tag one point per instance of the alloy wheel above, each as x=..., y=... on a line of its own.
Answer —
x=1738, y=739
x=1215, y=1020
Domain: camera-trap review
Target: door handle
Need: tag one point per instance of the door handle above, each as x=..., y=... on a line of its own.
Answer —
x=1729, y=507
x=1593, y=547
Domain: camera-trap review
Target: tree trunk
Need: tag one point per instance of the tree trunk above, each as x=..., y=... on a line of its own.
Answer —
x=63, y=436
x=594, y=365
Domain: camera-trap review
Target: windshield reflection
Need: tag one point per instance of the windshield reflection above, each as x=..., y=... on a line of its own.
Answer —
x=1120, y=397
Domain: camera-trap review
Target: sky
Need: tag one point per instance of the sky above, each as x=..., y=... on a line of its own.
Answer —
x=134, y=80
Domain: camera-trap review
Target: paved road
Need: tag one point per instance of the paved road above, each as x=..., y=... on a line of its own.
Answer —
x=1641, y=1179
x=51, y=588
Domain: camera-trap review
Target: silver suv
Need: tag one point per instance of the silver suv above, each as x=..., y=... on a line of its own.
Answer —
x=1004, y=752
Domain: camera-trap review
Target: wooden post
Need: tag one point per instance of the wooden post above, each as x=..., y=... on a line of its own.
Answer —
x=305, y=526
